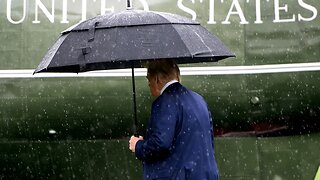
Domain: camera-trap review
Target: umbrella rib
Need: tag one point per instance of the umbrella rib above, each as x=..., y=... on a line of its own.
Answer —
x=46, y=60
x=134, y=25
x=183, y=40
x=202, y=42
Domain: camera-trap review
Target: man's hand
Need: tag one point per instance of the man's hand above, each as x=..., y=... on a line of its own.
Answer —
x=133, y=141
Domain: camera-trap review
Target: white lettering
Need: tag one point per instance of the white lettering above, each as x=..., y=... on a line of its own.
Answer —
x=186, y=9
x=40, y=5
x=239, y=12
x=309, y=7
x=64, y=12
x=258, y=13
x=9, y=5
x=277, y=9
x=104, y=9
x=83, y=9
x=145, y=5
x=17, y=10
x=211, y=13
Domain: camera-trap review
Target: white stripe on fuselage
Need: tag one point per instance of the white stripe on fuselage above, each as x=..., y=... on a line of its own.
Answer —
x=185, y=71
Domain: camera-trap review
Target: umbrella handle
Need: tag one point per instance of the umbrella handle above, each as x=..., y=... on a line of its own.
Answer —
x=129, y=4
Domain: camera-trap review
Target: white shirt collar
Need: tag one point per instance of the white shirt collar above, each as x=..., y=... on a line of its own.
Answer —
x=168, y=84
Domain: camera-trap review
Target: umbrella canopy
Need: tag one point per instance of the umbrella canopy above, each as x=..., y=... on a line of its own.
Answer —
x=129, y=38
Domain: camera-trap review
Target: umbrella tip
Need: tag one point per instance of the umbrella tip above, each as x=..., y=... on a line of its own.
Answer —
x=129, y=4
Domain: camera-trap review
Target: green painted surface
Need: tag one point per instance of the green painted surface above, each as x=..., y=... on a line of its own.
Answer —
x=93, y=116
x=294, y=157
x=95, y=108
x=265, y=42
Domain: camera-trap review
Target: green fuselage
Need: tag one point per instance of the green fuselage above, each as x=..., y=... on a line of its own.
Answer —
x=77, y=126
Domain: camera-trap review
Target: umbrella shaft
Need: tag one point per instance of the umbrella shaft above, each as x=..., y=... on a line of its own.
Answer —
x=135, y=122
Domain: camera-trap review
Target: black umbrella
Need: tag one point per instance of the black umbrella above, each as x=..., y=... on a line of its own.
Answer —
x=128, y=39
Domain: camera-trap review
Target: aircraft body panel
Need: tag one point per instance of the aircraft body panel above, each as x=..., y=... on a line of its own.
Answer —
x=265, y=102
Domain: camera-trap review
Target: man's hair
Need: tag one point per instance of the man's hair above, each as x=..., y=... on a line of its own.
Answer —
x=166, y=68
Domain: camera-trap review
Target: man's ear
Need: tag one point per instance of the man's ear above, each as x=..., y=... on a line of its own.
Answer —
x=158, y=79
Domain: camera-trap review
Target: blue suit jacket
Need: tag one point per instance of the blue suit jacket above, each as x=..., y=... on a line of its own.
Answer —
x=179, y=139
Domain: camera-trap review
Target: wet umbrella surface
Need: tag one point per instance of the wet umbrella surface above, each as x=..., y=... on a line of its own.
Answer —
x=128, y=39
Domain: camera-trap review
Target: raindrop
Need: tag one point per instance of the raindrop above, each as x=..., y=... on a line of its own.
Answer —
x=52, y=131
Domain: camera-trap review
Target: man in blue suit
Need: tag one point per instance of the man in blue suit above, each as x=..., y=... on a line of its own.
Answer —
x=179, y=138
